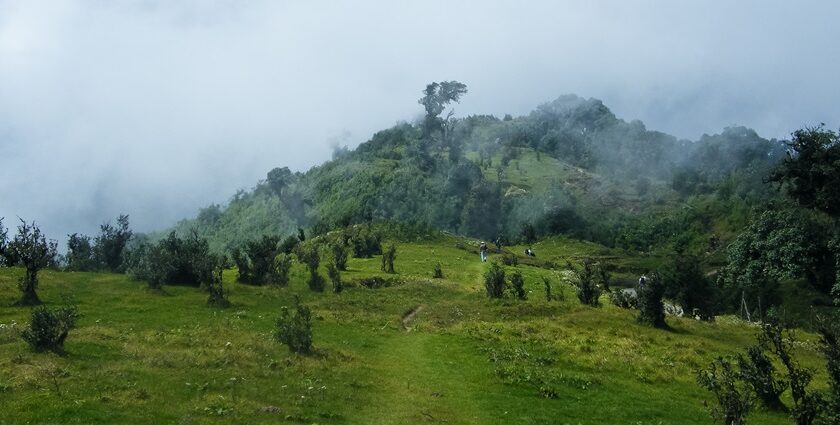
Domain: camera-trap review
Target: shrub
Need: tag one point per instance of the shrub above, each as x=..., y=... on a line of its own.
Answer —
x=603, y=276
x=365, y=243
x=30, y=249
x=49, y=328
x=111, y=243
x=651, y=308
x=806, y=403
x=547, y=285
x=624, y=299
x=174, y=260
x=510, y=260
x=517, y=284
x=80, y=253
x=437, y=273
x=289, y=244
x=588, y=293
x=375, y=282
x=294, y=328
x=388, y=259
x=757, y=371
x=335, y=278
x=733, y=400
x=217, y=296
x=494, y=281
x=339, y=255
x=829, y=330
x=313, y=260
x=281, y=270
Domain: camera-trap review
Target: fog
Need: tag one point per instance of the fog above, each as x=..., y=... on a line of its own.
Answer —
x=157, y=108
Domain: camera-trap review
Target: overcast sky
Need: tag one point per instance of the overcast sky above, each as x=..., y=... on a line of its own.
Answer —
x=157, y=108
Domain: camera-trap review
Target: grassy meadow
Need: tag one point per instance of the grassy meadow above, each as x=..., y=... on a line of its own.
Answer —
x=424, y=351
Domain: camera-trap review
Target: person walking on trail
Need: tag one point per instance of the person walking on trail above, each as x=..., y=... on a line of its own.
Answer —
x=482, y=250
x=642, y=281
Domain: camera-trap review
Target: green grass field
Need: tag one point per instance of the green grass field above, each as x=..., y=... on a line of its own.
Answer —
x=425, y=351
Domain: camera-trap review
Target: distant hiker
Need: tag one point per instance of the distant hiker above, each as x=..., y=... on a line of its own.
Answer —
x=482, y=250
x=642, y=281
x=530, y=253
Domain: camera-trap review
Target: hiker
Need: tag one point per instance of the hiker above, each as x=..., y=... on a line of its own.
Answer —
x=642, y=281
x=498, y=243
x=530, y=252
x=482, y=250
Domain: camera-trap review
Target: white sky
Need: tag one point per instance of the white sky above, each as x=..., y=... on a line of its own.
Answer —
x=157, y=108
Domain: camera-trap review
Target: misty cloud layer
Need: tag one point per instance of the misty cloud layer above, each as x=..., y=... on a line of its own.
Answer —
x=157, y=108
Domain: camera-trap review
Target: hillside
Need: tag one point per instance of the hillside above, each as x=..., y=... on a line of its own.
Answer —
x=570, y=167
x=421, y=351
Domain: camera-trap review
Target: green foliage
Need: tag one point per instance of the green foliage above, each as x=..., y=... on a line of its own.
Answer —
x=216, y=291
x=282, y=268
x=807, y=403
x=510, y=260
x=494, y=281
x=313, y=259
x=294, y=327
x=651, y=308
x=335, y=277
x=30, y=249
x=173, y=260
x=365, y=242
x=111, y=244
x=547, y=288
x=829, y=330
x=517, y=283
x=435, y=98
x=757, y=371
x=80, y=253
x=603, y=276
x=388, y=258
x=687, y=285
x=48, y=328
x=339, y=255
x=810, y=174
x=437, y=272
x=588, y=292
x=733, y=399
x=257, y=261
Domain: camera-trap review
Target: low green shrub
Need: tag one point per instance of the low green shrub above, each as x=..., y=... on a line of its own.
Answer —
x=294, y=327
x=49, y=328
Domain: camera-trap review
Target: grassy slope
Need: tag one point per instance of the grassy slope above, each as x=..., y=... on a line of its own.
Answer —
x=140, y=357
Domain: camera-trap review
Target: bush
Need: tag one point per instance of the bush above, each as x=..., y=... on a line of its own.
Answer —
x=294, y=328
x=339, y=255
x=365, y=243
x=807, y=403
x=517, y=284
x=256, y=262
x=733, y=400
x=624, y=299
x=494, y=281
x=30, y=249
x=437, y=273
x=388, y=259
x=375, y=282
x=49, y=328
x=588, y=292
x=335, y=278
x=757, y=371
x=313, y=260
x=174, y=260
x=547, y=285
x=111, y=243
x=510, y=260
x=651, y=308
x=829, y=330
x=282, y=268
x=217, y=296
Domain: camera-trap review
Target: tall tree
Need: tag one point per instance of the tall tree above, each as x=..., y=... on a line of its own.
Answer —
x=435, y=98
x=811, y=172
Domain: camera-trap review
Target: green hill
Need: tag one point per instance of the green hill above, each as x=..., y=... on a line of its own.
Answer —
x=421, y=351
x=568, y=168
